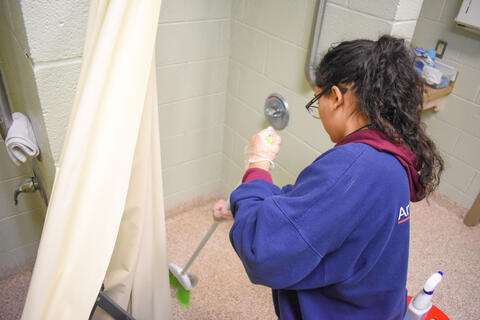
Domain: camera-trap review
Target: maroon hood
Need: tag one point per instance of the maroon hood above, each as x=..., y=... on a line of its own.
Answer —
x=407, y=158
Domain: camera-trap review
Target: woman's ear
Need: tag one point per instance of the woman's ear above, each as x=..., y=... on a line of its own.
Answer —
x=338, y=96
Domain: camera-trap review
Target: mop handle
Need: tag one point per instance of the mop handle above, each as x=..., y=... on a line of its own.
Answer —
x=202, y=243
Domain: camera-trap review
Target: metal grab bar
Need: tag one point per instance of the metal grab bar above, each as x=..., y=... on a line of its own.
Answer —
x=313, y=48
x=5, y=111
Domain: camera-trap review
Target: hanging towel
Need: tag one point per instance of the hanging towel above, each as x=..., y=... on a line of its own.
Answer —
x=20, y=141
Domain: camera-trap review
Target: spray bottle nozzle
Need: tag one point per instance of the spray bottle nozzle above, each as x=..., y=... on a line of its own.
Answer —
x=424, y=301
x=432, y=282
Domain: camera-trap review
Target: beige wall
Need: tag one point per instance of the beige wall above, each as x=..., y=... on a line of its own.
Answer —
x=53, y=45
x=269, y=48
x=192, y=68
x=41, y=49
x=456, y=127
x=269, y=43
x=20, y=226
x=217, y=60
x=192, y=65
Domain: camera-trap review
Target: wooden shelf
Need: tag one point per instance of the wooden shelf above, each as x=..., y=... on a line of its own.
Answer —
x=473, y=216
x=432, y=95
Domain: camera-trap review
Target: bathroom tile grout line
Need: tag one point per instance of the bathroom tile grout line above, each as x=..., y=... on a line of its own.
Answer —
x=460, y=130
x=20, y=247
x=191, y=131
x=203, y=60
x=462, y=161
x=186, y=162
x=194, y=21
x=462, y=98
x=271, y=35
x=435, y=21
x=40, y=65
x=471, y=178
x=19, y=214
x=23, y=176
x=191, y=188
x=185, y=22
x=192, y=161
x=286, y=130
x=383, y=19
x=192, y=98
x=291, y=91
x=459, y=191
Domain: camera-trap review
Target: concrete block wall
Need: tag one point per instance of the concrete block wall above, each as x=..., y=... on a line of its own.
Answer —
x=456, y=127
x=192, y=65
x=20, y=75
x=217, y=61
x=41, y=54
x=193, y=45
x=270, y=40
x=20, y=226
x=350, y=19
x=55, y=33
x=268, y=50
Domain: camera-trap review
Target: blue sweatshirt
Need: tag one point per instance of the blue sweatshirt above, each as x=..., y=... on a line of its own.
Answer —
x=334, y=245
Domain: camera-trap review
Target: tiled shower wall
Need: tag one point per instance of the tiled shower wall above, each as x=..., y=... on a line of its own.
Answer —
x=41, y=46
x=192, y=62
x=217, y=61
x=456, y=127
x=20, y=226
x=269, y=46
x=268, y=50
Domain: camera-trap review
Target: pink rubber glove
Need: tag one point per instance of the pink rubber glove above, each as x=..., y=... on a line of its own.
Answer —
x=265, y=145
x=219, y=214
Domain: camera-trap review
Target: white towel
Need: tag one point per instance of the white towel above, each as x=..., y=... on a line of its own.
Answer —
x=20, y=141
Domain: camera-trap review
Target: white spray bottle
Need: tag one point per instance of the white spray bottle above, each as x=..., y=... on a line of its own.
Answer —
x=421, y=304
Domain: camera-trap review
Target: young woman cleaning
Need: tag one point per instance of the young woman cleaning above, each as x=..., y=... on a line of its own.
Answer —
x=334, y=245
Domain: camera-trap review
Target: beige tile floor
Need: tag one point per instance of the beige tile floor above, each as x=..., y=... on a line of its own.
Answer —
x=439, y=241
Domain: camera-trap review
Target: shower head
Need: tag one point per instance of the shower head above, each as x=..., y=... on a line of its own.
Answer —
x=276, y=111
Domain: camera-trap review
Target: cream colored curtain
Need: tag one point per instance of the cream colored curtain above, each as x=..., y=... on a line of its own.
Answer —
x=105, y=220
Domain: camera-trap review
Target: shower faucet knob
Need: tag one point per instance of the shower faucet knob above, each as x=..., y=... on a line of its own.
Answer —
x=28, y=185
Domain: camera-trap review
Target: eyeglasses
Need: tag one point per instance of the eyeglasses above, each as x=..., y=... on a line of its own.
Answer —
x=312, y=106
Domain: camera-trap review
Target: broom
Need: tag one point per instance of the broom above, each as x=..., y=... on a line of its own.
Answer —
x=179, y=278
x=277, y=113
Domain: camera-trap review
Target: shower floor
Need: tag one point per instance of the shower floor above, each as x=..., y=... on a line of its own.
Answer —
x=439, y=241
x=223, y=290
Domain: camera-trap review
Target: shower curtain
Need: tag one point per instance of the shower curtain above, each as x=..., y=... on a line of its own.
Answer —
x=105, y=220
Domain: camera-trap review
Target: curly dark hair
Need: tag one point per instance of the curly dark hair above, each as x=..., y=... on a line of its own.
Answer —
x=390, y=92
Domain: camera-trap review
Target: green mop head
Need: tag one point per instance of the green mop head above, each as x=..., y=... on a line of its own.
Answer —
x=183, y=295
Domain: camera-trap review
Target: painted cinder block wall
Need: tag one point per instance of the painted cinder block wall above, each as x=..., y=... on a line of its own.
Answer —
x=456, y=127
x=217, y=61
x=193, y=46
x=41, y=51
x=42, y=46
x=192, y=65
x=269, y=44
x=53, y=45
x=20, y=226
